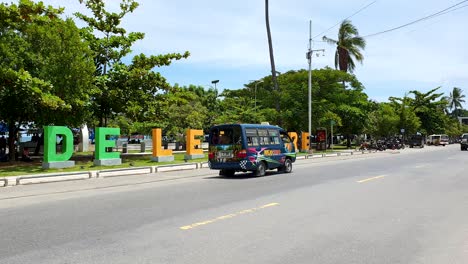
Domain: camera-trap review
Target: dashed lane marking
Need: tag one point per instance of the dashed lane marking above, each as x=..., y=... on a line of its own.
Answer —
x=228, y=216
x=371, y=179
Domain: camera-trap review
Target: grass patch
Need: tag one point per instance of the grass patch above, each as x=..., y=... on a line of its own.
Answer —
x=83, y=162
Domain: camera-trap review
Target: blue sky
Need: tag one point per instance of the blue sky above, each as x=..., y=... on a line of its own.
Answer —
x=228, y=42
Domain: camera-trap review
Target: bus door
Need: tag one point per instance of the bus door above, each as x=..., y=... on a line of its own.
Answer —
x=270, y=147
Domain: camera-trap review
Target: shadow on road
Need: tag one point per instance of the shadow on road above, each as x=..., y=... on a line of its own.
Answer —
x=242, y=176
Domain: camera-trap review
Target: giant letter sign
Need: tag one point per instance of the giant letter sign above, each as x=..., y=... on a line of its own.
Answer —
x=160, y=154
x=103, y=158
x=52, y=159
x=192, y=152
x=305, y=142
x=293, y=136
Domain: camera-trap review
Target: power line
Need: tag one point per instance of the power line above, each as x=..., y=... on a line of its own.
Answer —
x=439, y=13
x=355, y=13
x=452, y=10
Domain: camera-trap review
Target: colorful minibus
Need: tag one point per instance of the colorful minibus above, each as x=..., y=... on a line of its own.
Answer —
x=250, y=147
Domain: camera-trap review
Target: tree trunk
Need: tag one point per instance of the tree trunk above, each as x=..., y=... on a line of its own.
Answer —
x=12, y=131
x=343, y=59
x=39, y=143
x=272, y=60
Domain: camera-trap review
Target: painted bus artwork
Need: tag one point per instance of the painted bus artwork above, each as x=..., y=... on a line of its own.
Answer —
x=250, y=147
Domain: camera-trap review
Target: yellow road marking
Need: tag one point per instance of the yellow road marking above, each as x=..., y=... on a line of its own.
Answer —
x=224, y=217
x=371, y=179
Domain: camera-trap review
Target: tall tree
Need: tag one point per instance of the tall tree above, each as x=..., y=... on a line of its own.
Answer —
x=408, y=120
x=383, y=122
x=455, y=99
x=347, y=107
x=121, y=84
x=184, y=110
x=272, y=57
x=45, y=71
x=348, y=46
x=64, y=60
x=429, y=107
x=239, y=107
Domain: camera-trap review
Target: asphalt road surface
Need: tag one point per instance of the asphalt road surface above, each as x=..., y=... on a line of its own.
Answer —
x=408, y=207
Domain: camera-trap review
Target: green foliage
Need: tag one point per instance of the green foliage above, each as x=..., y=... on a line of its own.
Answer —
x=129, y=90
x=429, y=107
x=425, y=113
x=384, y=121
x=46, y=71
x=63, y=59
x=408, y=120
x=464, y=128
x=183, y=109
x=454, y=128
x=238, y=106
x=348, y=107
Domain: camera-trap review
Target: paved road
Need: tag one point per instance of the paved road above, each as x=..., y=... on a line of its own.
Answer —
x=410, y=207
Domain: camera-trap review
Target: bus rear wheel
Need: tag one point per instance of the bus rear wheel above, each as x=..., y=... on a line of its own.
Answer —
x=261, y=169
x=227, y=173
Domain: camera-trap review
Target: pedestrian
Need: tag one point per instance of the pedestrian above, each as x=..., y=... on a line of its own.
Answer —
x=35, y=137
x=3, y=144
x=25, y=156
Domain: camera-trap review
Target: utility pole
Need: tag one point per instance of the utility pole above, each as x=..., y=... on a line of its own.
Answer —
x=309, y=59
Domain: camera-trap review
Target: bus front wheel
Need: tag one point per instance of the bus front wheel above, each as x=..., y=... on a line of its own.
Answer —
x=287, y=167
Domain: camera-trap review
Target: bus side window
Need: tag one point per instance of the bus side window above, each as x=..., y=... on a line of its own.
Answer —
x=285, y=138
x=274, y=140
x=264, y=138
x=255, y=141
x=252, y=138
x=250, y=141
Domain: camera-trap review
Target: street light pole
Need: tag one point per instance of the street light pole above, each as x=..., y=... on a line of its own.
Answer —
x=255, y=93
x=215, y=82
x=309, y=59
x=309, y=94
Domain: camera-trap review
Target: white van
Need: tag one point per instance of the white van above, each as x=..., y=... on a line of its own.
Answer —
x=438, y=139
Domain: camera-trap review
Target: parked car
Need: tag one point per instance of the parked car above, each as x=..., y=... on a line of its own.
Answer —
x=464, y=142
x=416, y=140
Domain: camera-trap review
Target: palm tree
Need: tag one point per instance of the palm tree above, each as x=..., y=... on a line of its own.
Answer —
x=348, y=45
x=455, y=99
x=272, y=58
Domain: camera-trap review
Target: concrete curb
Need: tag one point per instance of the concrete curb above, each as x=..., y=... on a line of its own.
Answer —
x=50, y=177
x=69, y=176
x=185, y=166
x=3, y=182
x=125, y=171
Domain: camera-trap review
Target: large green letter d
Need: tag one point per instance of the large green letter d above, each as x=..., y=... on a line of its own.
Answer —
x=50, y=139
